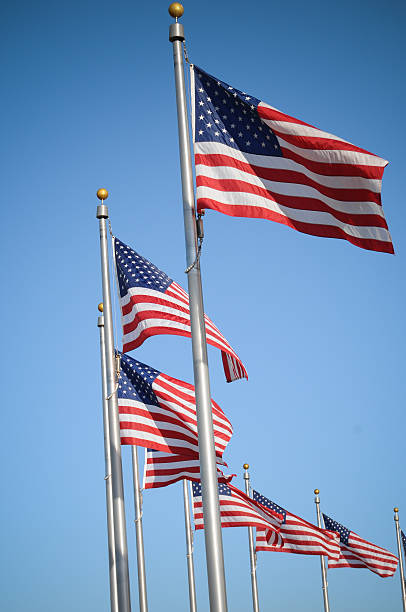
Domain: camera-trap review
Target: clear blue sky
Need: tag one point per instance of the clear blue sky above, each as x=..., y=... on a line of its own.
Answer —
x=87, y=102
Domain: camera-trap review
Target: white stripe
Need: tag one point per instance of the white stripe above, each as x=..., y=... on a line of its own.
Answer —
x=303, y=130
x=290, y=189
x=153, y=412
x=144, y=306
x=298, y=129
x=176, y=465
x=218, y=426
x=188, y=408
x=332, y=156
x=237, y=199
x=152, y=420
x=159, y=308
x=151, y=439
x=153, y=294
x=147, y=324
x=367, y=546
x=282, y=163
x=168, y=323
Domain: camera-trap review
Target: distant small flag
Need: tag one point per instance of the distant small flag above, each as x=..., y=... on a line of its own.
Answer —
x=356, y=552
x=296, y=535
x=153, y=304
x=237, y=510
x=163, y=469
x=158, y=411
x=403, y=541
x=255, y=161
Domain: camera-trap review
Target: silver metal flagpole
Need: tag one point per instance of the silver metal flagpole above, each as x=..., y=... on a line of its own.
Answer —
x=107, y=463
x=189, y=549
x=251, y=541
x=402, y=575
x=120, y=532
x=322, y=560
x=142, y=582
x=208, y=469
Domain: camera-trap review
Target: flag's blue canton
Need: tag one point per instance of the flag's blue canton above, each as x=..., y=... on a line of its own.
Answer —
x=223, y=489
x=403, y=540
x=227, y=115
x=269, y=504
x=334, y=526
x=136, y=380
x=133, y=270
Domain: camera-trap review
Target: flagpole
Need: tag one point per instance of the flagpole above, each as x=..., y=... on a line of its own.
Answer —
x=189, y=549
x=253, y=556
x=208, y=469
x=142, y=581
x=322, y=561
x=402, y=576
x=120, y=532
x=107, y=463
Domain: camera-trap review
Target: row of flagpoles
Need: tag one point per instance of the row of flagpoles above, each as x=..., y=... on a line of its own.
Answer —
x=114, y=589
x=188, y=524
x=139, y=394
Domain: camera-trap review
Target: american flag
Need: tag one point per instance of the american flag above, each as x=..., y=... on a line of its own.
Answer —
x=403, y=541
x=296, y=535
x=255, y=161
x=163, y=469
x=356, y=552
x=237, y=510
x=153, y=304
x=158, y=411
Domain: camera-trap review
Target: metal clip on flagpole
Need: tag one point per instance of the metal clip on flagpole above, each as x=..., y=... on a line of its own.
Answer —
x=120, y=532
x=189, y=549
x=322, y=561
x=402, y=576
x=253, y=560
x=208, y=469
x=142, y=581
x=107, y=463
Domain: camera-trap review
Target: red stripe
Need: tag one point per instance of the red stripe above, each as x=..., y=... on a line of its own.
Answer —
x=134, y=440
x=317, y=142
x=287, y=176
x=151, y=331
x=294, y=202
x=145, y=315
x=334, y=169
x=274, y=115
x=314, y=229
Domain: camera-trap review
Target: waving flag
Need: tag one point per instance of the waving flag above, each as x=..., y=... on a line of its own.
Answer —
x=158, y=411
x=356, y=552
x=255, y=161
x=296, y=535
x=163, y=469
x=152, y=304
x=237, y=510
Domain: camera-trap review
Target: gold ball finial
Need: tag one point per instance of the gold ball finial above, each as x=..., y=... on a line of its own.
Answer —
x=246, y=466
x=395, y=509
x=100, y=307
x=176, y=10
x=102, y=194
x=316, y=491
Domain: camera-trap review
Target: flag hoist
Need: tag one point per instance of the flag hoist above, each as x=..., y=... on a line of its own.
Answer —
x=322, y=561
x=120, y=532
x=401, y=570
x=251, y=543
x=107, y=462
x=212, y=531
